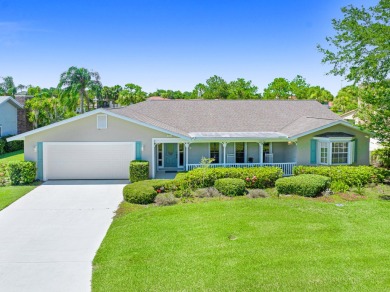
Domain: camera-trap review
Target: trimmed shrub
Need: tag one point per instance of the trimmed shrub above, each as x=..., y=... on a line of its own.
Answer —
x=21, y=172
x=230, y=186
x=144, y=192
x=349, y=175
x=165, y=199
x=339, y=186
x=254, y=177
x=308, y=185
x=139, y=170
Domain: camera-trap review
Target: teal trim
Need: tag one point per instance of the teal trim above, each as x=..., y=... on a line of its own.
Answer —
x=355, y=152
x=138, y=150
x=40, y=160
x=313, y=151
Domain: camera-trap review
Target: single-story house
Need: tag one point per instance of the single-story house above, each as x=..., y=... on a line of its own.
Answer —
x=9, y=116
x=174, y=135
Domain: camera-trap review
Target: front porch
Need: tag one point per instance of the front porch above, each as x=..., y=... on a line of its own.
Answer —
x=171, y=155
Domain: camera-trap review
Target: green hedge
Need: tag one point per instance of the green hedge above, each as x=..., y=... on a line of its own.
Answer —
x=21, y=172
x=349, y=175
x=6, y=147
x=254, y=177
x=308, y=185
x=230, y=186
x=139, y=170
x=144, y=192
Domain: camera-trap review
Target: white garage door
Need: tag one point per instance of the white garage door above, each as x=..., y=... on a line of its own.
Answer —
x=87, y=160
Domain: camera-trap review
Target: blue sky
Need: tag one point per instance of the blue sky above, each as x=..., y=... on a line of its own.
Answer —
x=168, y=44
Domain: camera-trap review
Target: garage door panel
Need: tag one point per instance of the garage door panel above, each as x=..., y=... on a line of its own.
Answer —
x=87, y=160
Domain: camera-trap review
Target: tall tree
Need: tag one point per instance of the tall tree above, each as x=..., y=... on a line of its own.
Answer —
x=242, y=89
x=319, y=94
x=79, y=80
x=299, y=87
x=130, y=94
x=216, y=88
x=346, y=99
x=7, y=87
x=278, y=89
x=359, y=51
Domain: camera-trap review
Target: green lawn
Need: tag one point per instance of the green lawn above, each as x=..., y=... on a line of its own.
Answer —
x=10, y=194
x=242, y=244
x=12, y=156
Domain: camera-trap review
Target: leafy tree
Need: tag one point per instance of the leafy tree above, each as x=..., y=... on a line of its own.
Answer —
x=131, y=94
x=7, y=87
x=299, y=87
x=359, y=51
x=111, y=93
x=216, y=88
x=78, y=81
x=319, y=94
x=242, y=89
x=278, y=89
x=199, y=90
x=346, y=99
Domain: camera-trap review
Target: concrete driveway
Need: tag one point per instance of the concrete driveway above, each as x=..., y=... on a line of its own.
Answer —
x=49, y=237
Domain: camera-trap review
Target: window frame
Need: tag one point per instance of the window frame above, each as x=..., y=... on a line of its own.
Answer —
x=218, y=149
x=327, y=143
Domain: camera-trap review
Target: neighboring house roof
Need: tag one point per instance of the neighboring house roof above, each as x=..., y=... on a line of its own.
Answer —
x=210, y=119
x=348, y=114
x=151, y=98
x=11, y=100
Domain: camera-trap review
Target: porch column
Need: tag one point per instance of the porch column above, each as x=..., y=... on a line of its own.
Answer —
x=187, y=147
x=224, y=152
x=153, y=159
x=261, y=152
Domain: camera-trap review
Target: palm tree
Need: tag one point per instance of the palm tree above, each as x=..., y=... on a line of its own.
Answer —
x=78, y=80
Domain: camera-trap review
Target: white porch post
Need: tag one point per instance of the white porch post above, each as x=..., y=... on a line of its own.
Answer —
x=187, y=148
x=261, y=152
x=153, y=159
x=224, y=152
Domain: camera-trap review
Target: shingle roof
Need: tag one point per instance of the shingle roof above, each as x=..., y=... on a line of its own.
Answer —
x=11, y=100
x=209, y=117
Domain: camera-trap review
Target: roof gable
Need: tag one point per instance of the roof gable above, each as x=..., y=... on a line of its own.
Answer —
x=11, y=100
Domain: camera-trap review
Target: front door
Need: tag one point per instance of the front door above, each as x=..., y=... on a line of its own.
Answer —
x=170, y=155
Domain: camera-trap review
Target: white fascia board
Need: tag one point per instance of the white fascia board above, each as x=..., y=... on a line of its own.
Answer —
x=87, y=114
x=257, y=140
x=338, y=122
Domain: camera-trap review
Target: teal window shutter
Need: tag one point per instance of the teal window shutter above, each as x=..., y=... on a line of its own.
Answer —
x=355, y=152
x=313, y=151
x=138, y=150
x=40, y=160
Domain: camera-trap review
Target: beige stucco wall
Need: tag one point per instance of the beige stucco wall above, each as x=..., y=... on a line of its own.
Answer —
x=303, y=146
x=84, y=130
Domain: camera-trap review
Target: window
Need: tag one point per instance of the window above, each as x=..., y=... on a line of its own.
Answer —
x=181, y=154
x=335, y=151
x=101, y=122
x=160, y=155
x=339, y=153
x=240, y=152
x=323, y=152
x=214, y=152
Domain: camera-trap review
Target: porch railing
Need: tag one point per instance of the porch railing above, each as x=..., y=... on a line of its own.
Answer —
x=287, y=167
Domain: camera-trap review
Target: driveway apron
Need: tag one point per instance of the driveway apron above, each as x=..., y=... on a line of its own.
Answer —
x=49, y=237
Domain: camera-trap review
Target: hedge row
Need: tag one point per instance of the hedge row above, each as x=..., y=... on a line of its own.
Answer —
x=349, y=175
x=254, y=177
x=6, y=147
x=308, y=185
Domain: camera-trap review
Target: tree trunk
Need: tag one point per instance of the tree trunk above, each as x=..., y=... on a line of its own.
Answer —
x=82, y=101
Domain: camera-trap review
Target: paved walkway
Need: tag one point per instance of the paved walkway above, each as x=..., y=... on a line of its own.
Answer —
x=49, y=237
